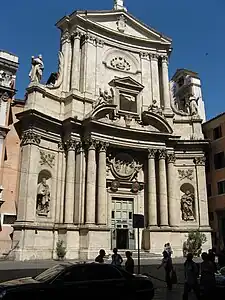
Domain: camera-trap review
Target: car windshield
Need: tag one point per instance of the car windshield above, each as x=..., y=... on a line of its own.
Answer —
x=50, y=273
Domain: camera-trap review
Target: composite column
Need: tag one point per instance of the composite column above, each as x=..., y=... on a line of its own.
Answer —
x=165, y=80
x=152, y=199
x=202, y=192
x=91, y=183
x=102, y=200
x=70, y=181
x=172, y=185
x=163, y=189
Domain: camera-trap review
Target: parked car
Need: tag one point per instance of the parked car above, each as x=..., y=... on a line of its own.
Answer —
x=68, y=280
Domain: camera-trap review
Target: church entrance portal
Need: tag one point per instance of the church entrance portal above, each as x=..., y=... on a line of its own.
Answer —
x=121, y=223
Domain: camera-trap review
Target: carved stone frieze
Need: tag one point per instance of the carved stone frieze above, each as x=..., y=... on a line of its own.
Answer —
x=30, y=137
x=186, y=174
x=200, y=161
x=123, y=166
x=120, y=63
x=47, y=158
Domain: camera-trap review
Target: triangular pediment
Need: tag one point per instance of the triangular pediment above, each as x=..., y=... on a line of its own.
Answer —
x=122, y=22
x=128, y=82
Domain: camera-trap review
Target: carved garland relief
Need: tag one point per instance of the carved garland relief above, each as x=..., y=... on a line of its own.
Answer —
x=120, y=64
x=47, y=159
x=188, y=173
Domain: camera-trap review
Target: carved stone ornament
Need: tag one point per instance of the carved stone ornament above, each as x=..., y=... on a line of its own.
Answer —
x=135, y=187
x=120, y=64
x=47, y=159
x=188, y=173
x=60, y=146
x=55, y=79
x=37, y=68
x=152, y=153
x=187, y=206
x=121, y=23
x=171, y=158
x=200, y=161
x=115, y=184
x=71, y=145
x=162, y=154
x=30, y=137
x=123, y=166
x=4, y=97
x=105, y=98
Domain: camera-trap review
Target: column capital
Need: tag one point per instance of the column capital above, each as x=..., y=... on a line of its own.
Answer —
x=99, y=42
x=103, y=146
x=162, y=154
x=171, y=158
x=152, y=153
x=30, y=137
x=144, y=55
x=91, y=144
x=65, y=37
x=61, y=146
x=71, y=144
x=77, y=34
x=164, y=59
x=200, y=161
x=154, y=56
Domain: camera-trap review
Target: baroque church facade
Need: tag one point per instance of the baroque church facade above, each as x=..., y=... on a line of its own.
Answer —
x=107, y=137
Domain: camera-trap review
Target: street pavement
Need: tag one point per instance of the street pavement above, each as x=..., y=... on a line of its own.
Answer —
x=12, y=270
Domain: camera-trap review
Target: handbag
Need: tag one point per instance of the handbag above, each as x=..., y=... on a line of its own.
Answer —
x=173, y=277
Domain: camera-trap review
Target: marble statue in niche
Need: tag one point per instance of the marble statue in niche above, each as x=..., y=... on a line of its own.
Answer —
x=187, y=206
x=105, y=97
x=37, y=68
x=43, y=197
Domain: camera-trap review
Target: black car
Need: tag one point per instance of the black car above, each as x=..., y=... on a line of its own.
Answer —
x=72, y=281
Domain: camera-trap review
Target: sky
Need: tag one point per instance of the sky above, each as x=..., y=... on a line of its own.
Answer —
x=197, y=28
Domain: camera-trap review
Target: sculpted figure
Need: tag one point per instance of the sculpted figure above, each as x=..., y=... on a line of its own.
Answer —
x=154, y=108
x=36, y=69
x=193, y=106
x=187, y=206
x=105, y=97
x=43, y=197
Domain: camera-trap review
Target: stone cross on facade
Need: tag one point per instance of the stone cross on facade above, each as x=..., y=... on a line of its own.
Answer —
x=119, y=5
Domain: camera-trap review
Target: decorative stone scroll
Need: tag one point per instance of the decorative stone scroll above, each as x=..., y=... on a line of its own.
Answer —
x=30, y=137
x=123, y=166
x=120, y=63
x=188, y=173
x=47, y=159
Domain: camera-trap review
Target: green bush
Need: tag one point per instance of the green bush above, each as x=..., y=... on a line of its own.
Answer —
x=60, y=249
x=194, y=243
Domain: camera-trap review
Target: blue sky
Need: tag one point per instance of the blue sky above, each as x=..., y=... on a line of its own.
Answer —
x=197, y=28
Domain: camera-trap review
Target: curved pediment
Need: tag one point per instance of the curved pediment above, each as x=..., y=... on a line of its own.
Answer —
x=156, y=120
x=102, y=111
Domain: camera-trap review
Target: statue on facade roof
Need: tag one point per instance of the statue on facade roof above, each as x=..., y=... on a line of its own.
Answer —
x=37, y=68
x=193, y=106
x=155, y=108
x=105, y=97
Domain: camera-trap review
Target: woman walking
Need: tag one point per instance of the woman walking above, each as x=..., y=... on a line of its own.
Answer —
x=168, y=267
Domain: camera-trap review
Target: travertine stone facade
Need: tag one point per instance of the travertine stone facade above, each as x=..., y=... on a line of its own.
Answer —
x=115, y=144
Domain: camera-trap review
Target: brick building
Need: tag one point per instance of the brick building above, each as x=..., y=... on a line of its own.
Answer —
x=214, y=130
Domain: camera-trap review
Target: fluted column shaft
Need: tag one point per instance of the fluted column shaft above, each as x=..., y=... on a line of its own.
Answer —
x=172, y=185
x=165, y=80
x=202, y=192
x=102, y=200
x=91, y=183
x=152, y=199
x=70, y=181
x=163, y=189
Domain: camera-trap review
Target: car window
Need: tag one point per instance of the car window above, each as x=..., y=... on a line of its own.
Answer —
x=50, y=273
x=101, y=272
x=76, y=273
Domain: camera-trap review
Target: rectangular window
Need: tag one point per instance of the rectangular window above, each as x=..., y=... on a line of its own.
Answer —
x=217, y=133
x=219, y=160
x=221, y=187
x=209, y=190
x=128, y=102
x=9, y=219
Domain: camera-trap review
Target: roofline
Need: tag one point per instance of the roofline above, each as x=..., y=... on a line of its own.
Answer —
x=76, y=12
x=214, y=118
x=195, y=74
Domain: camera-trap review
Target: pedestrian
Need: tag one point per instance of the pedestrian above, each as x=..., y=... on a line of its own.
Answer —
x=168, y=248
x=100, y=257
x=190, y=277
x=168, y=267
x=129, y=264
x=212, y=258
x=207, y=280
x=116, y=258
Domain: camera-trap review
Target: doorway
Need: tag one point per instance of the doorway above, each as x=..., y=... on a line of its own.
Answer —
x=122, y=239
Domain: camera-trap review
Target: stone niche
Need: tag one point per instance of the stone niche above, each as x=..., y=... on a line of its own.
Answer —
x=43, y=193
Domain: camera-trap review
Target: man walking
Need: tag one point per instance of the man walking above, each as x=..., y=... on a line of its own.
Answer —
x=191, y=277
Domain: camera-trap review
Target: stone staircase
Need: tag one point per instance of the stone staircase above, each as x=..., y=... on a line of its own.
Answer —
x=143, y=254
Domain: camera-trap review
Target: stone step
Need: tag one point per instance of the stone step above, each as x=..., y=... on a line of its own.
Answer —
x=143, y=254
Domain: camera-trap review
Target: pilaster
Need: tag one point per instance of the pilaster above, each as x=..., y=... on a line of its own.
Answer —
x=163, y=189
x=165, y=80
x=155, y=78
x=67, y=53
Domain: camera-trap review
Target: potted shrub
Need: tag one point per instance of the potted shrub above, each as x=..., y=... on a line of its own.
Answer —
x=194, y=243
